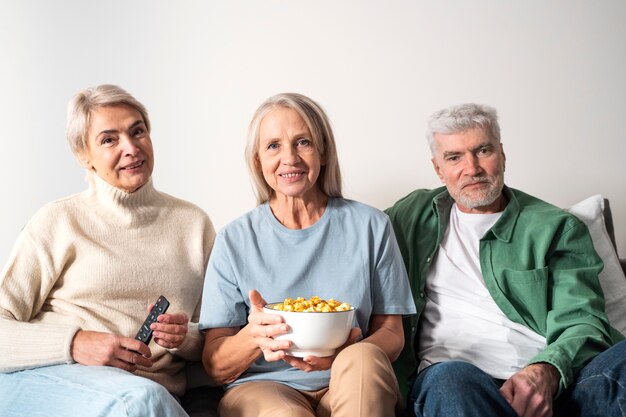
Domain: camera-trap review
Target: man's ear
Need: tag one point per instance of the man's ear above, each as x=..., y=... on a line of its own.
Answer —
x=437, y=169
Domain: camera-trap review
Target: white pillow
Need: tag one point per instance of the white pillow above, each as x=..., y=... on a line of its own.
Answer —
x=612, y=278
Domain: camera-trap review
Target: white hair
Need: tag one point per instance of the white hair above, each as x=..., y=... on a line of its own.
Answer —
x=460, y=118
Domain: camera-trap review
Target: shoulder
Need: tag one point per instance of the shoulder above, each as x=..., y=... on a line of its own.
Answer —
x=344, y=206
x=246, y=224
x=54, y=220
x=539, y=220
x=417, y=204
x=540, y=212
x=51, y=213
x=417, y=199
x=182, y=206
x=185, y=212
x=360, y=215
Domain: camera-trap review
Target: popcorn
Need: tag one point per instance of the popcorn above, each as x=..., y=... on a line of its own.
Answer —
x=313, y=305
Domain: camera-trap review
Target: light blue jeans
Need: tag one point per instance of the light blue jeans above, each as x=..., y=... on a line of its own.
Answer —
x=89, y=391
x=461, y=389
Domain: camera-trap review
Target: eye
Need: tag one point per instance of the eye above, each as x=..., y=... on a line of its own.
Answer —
x=272, y=146
x=304, y=142
x=484, y=151
x=139, y=131
x=107, y=140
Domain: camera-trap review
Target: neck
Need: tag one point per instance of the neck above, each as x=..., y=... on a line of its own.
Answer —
x=296, y=212
x=123, y=207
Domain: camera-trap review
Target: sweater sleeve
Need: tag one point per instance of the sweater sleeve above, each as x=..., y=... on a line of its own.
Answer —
x=25, y=283
x=191, y=348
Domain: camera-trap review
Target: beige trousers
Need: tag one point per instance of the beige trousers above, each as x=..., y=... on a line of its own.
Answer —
x=362, y=383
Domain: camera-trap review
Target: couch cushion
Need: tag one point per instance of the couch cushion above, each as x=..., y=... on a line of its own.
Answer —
x=612, y=277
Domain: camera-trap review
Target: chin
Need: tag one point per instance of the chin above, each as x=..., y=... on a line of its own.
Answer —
x=478, y=200
x=131, y=188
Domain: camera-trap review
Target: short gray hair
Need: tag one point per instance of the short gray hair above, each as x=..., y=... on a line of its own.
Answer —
x=322, y=137
x=462, y=117
x=85, y=102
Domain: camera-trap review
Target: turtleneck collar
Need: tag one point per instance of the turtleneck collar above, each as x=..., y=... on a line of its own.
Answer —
x=131, y=209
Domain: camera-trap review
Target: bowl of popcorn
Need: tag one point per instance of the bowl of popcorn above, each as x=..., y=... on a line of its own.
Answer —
x=316, y=327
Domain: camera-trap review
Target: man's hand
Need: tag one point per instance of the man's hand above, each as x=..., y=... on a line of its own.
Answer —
x=530, y=391
x=107, y=349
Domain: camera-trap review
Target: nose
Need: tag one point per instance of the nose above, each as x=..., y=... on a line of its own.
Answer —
x=129, y=146
x=289, y=155
x=472, y=166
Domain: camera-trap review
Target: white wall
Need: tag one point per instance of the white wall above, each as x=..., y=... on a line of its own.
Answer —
x=554, y=70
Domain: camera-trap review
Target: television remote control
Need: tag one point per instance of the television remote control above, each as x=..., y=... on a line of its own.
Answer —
x=145, y=332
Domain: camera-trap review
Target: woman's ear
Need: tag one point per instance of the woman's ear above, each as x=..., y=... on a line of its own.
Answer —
x=323, y=159
x=83, y=158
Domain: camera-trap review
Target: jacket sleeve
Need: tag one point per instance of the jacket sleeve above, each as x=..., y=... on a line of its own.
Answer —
x=577, y=328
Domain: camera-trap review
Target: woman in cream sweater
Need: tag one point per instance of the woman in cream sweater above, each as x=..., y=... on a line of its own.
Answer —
x=84, y=270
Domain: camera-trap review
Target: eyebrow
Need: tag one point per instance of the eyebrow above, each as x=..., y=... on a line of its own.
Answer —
x=472, y=150
x=109, y=131
x=450, y=153
x=299, y=135
x=483, y=145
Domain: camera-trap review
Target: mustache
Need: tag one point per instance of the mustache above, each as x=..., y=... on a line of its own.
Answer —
x=476, y=180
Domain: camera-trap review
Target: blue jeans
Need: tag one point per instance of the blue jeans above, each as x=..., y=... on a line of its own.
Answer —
x=89, y=391
x=455, y=389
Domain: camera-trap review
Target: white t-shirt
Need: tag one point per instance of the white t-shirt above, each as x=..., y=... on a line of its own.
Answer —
x=460, y=320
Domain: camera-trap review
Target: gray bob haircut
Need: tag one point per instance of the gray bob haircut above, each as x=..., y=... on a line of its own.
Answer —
x=462, y=117
x=329, y=180
x=85, y=102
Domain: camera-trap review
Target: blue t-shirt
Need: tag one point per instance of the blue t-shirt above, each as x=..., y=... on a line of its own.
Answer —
x=349, y=254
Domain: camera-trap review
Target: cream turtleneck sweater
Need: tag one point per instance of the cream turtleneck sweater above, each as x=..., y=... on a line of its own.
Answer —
x=95, y=261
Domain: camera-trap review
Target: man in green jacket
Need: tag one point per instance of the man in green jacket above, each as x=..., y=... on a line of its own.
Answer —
x=511, y=317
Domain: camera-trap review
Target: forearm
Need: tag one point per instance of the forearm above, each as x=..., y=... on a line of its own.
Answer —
x=570, y=353
x=25, y=283
x=28, y=345
x=228, y=352
x=387, y=334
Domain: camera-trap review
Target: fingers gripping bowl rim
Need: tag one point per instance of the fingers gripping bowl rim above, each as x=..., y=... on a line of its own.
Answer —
x=314, y=333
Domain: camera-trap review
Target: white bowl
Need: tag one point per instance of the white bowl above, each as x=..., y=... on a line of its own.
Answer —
x=314, y=333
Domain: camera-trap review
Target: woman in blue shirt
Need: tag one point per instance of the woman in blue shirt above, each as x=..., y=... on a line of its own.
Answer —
x=303, y=239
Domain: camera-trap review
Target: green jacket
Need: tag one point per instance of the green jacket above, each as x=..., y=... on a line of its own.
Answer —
x=538, y=263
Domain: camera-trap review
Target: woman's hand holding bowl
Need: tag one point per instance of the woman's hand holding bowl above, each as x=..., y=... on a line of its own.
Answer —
x=314, y=363
x=263, y=327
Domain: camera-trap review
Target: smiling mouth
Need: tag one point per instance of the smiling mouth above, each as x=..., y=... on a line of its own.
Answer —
x=291, y=174
x=133, y=166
